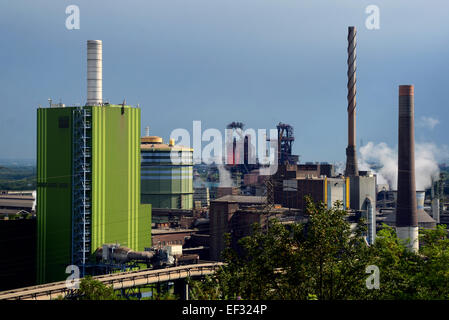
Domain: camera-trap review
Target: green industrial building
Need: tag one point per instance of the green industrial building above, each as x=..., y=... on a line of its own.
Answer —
x=167, y=174
x=88, y=185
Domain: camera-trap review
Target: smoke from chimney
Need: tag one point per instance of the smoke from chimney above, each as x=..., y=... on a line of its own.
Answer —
x=382, y=160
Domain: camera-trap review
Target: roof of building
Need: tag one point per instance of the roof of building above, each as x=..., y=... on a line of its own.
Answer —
x=16, y=203
x=12, y=211
x=242, y=199
x=171, y=230
x=258, y=209
x=153, y=143
x=423, y=217
x=16, y=196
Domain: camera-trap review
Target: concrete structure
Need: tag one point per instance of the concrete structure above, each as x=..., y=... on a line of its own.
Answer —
x=236, y=215
x=328, y=190
x=363, y=198
x=315, y=170
x=220, y=213
x=167, y=174
x=202, y=195
x=406, y=215
x=88, y=185
x=424, y=219
x=362, y=187
x=17, y=203
x=242, y=221
x=170, y=236
x=351, y=154
x=94, y=72
x=226, y=191
x=436, y=209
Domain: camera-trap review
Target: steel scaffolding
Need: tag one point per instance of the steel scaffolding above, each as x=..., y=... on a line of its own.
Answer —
x=81, y=187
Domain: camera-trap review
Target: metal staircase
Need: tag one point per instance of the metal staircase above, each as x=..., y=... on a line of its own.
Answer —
x=81, y=187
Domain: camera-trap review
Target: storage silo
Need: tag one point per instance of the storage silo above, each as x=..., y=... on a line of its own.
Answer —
x=166, y=174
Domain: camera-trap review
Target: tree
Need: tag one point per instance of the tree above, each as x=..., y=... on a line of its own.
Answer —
x=326, y=259
x=91, y=289
x=322, y=259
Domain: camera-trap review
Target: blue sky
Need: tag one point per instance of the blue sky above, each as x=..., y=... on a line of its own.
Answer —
x=218, y=61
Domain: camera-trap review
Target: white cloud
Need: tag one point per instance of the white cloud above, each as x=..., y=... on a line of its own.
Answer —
x=427, y=122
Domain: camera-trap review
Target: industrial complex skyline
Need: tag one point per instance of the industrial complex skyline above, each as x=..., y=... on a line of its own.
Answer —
x=199, y=151
x=255, y=61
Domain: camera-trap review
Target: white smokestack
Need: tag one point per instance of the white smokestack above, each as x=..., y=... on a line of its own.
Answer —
x=94, y=72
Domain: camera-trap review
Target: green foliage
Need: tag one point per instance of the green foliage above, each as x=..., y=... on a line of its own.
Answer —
x=325, y=259
x=91, y=289
x=165, y=296
x=17, y=178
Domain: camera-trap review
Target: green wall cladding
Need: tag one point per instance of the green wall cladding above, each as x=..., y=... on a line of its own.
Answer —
x=54, y=197
x=117, y=214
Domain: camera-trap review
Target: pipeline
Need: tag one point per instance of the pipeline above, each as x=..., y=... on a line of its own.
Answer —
x=124, y=254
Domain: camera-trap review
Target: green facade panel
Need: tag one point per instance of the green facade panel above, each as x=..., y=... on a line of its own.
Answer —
x=54, y=197
x=116, y=212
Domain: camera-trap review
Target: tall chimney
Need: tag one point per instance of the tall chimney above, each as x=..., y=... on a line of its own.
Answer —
x=94, y=72
x=406, y=215
x=351, y=157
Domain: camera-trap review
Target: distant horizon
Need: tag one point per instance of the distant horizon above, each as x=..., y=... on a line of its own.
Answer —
x=7, y=160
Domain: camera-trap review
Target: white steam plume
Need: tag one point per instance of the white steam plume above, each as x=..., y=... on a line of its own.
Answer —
x=383, y=160
x=225, y=177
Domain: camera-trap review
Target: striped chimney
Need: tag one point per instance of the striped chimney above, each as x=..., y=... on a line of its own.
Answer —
x=351, y=157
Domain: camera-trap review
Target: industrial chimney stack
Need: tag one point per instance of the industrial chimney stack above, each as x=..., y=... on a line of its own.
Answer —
x=351, y=157
x=406, y=214
x=94, y=72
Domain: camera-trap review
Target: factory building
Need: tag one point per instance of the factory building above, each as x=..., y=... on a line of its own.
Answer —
x=167, y=174
x=225, y=191
x=220, y=213
x=17, y=203
x=170, y=236
x=242, y=221
x=425, y=221
x=201, y=195
x=315, y=169
x=363, y=198
x=236, y=215
x=88, y=180
x=327, y=190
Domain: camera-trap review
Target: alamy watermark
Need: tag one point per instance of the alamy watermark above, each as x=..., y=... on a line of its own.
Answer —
x=73, y=20
x=373, y=280
x=261, y=147
x=73, y=280
x=372, y=22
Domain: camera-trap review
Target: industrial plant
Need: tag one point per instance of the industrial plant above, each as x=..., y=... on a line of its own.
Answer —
x=167, y=173
x=136, y=212
x=88, y=179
